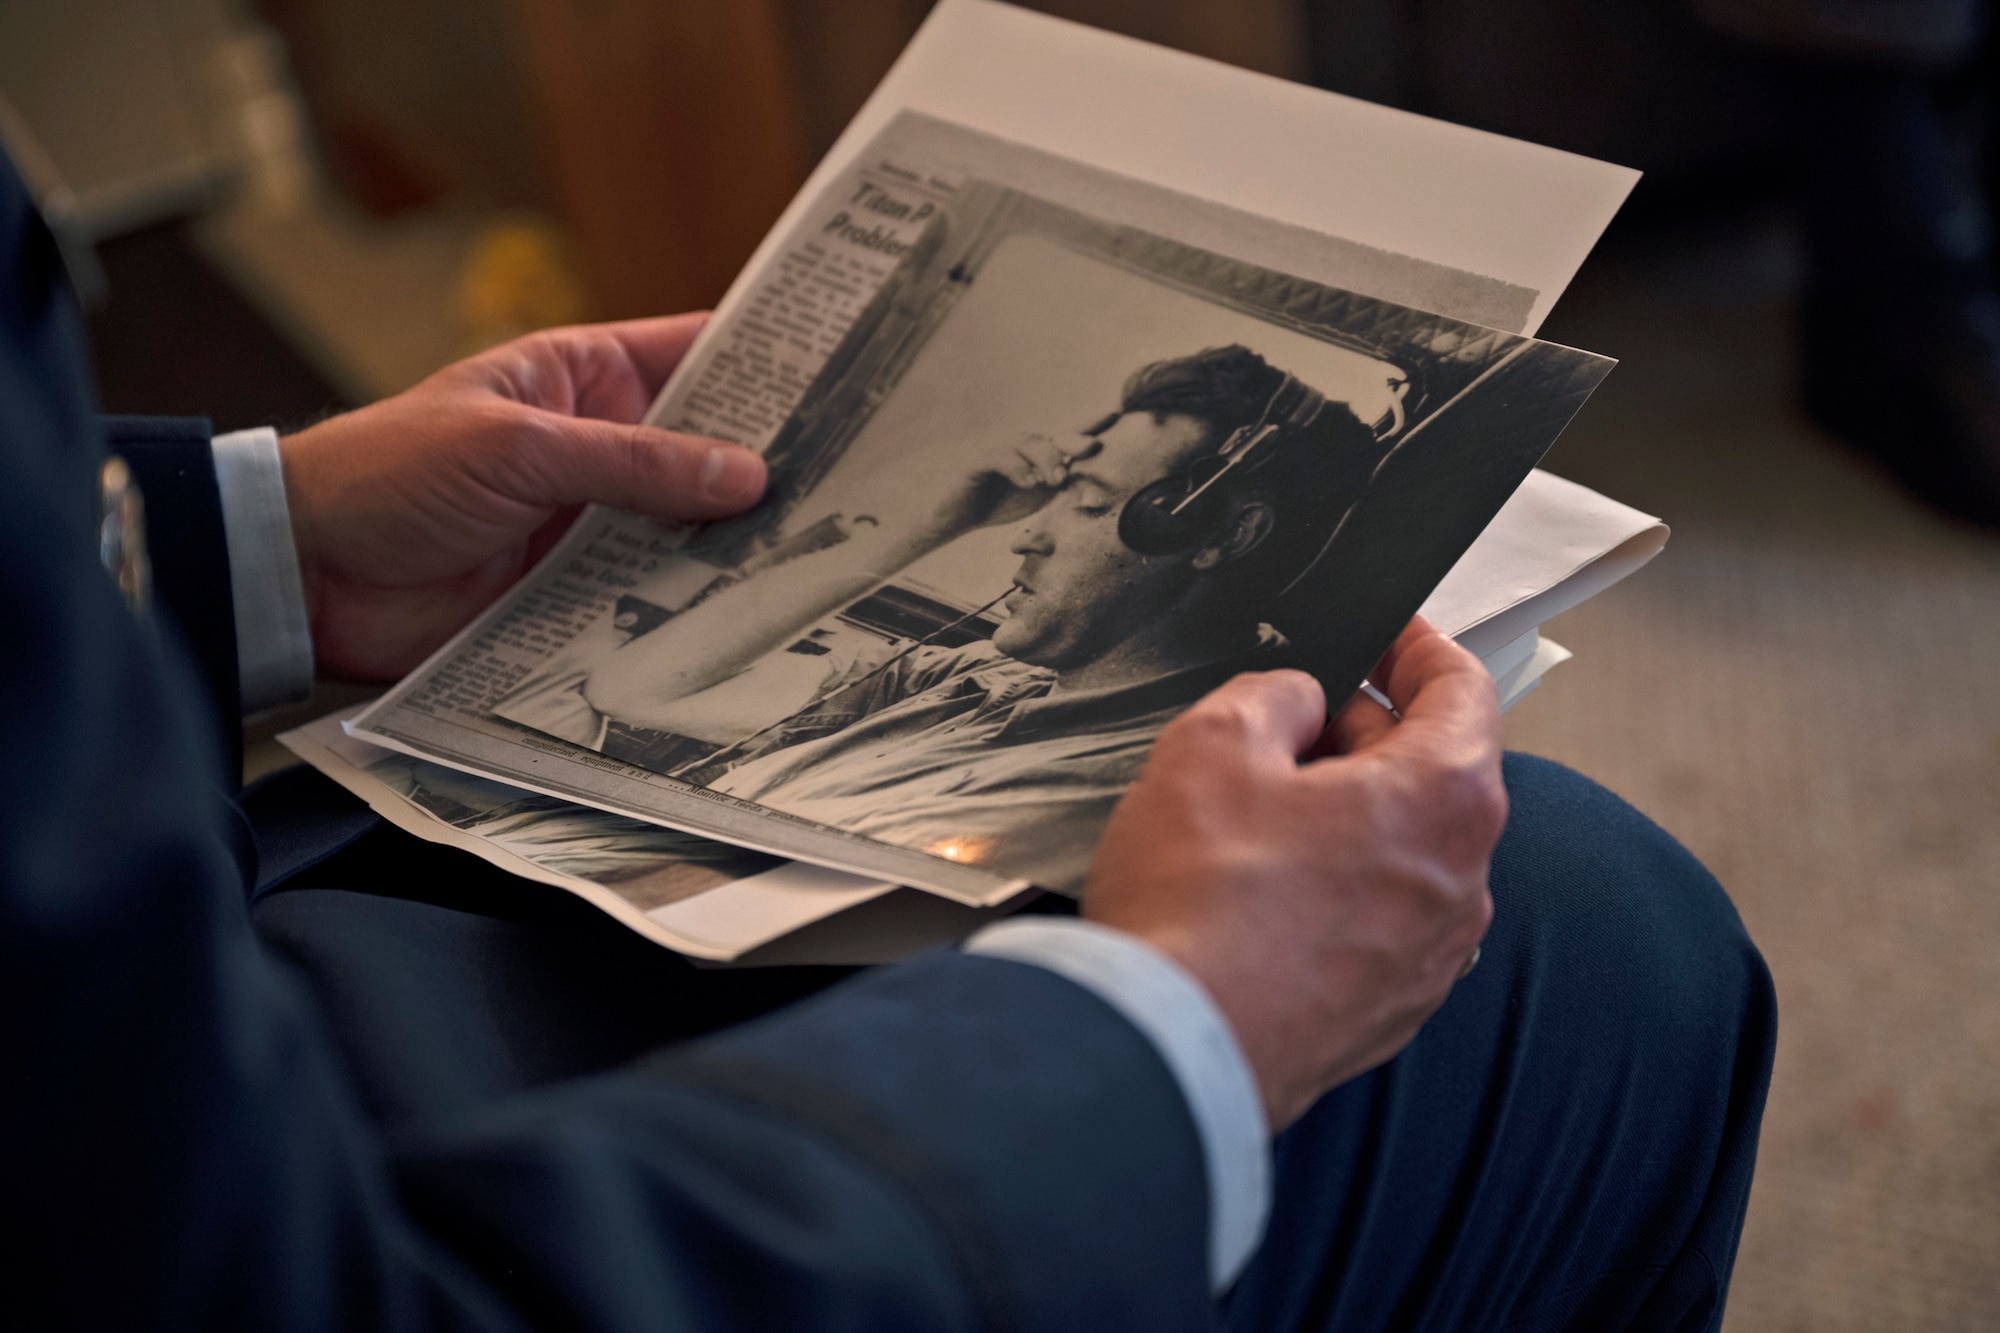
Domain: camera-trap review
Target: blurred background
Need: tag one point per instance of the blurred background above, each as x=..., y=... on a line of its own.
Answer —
x=279, y=208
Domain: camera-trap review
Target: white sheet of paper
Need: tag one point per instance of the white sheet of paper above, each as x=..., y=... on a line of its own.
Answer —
x=1390, y=179
x=1525, y=678
x=1516, y=652
x=1552, y=545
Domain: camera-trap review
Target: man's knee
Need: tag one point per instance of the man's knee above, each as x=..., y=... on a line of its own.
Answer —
x=1593, y=898
x=1574, y=1128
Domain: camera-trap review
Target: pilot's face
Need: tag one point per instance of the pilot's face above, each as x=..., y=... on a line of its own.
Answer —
x=1080, y=590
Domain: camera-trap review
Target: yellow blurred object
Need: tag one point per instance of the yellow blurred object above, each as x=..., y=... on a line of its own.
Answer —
x=518, y=277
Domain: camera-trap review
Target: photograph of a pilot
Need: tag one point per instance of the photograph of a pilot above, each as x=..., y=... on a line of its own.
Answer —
x=1151, y=547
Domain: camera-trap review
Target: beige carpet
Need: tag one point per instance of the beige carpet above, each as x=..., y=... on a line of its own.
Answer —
x=1805, y=688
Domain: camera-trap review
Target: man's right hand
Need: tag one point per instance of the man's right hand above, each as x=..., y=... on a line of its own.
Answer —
x=1325, y=884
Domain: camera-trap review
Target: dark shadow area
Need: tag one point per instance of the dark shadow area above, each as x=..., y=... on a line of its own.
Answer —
x=176, y=339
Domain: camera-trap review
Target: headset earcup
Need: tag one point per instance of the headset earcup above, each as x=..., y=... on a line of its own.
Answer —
x=1149, y=525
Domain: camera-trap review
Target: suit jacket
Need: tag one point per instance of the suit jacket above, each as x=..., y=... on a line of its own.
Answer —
x=218, y=1116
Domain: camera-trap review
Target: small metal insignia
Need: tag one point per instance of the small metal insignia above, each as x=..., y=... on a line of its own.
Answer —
x=121, y=533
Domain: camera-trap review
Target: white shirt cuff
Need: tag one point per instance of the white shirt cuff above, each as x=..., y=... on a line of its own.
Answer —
x=274, y=656
x=1171, y=1008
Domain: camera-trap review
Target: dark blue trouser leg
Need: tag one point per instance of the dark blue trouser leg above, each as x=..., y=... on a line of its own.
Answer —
x=1568, y=1144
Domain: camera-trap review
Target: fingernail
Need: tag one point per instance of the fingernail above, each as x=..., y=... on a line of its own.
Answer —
x=731, y=475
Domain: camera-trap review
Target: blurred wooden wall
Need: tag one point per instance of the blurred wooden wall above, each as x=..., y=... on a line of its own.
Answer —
x=666, y=135
x=674, y=138
x=416, y=102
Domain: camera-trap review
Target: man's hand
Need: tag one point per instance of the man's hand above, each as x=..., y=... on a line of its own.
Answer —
x=1326, y=884
x=412, y=514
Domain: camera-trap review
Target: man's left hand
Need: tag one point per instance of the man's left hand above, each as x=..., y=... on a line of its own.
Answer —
x=413, y=513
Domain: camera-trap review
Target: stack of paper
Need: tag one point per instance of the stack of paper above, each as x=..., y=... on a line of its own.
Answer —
x=1088, y=374
x=1553, y=545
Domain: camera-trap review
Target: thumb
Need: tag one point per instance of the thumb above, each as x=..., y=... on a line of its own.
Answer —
x=661, y=473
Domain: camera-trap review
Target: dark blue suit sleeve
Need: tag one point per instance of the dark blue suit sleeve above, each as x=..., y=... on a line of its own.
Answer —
x=186, y=540
x=961, y=1143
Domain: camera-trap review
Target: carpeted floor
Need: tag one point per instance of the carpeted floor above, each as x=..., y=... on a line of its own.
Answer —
x=1805, y=688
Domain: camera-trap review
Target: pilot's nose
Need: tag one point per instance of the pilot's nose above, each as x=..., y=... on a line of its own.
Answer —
x=1032, y=539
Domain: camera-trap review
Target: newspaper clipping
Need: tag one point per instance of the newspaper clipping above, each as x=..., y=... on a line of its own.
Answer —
x=1053, y=453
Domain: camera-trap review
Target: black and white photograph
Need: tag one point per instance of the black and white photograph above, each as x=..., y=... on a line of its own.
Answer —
x=1052, y=453
x=1061, y=479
